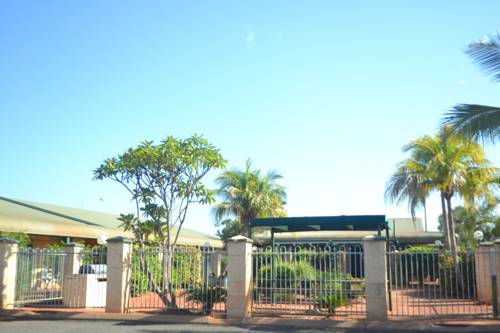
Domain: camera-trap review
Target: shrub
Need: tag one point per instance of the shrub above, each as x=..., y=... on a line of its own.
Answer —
x=331, y=301
x=208, y=296
x=287, y=275
x=187, y=269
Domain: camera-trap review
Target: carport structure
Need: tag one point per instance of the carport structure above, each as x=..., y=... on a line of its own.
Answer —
x=376, y=223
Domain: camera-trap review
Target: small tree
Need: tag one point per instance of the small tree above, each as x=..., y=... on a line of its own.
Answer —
x=163, y=181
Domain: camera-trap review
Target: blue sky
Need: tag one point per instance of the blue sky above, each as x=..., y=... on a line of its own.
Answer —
x=326, y=92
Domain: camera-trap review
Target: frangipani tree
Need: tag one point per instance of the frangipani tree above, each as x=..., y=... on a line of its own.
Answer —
x=163, y=180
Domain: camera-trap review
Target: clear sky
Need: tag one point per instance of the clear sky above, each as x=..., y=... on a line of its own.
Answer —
x=326, y=92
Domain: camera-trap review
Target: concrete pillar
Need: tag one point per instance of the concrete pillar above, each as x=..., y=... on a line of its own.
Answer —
x=8, y=269
x=214, y=264
x=118, y=274
x=484, y=257
x=73, y=259
x=376, y=277
x=73, y=293
x=239, y=275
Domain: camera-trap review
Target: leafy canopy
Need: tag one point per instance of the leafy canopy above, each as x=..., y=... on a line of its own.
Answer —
x=474, y=120
x=163, y=180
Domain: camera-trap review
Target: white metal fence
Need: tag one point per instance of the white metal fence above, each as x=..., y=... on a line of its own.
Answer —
x=44, y=278
x=309, y=280
x=434, y=283
x=189, y=279
x=39, y=278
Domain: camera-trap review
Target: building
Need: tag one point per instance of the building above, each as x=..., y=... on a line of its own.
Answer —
x=402, y=231
x=51, y=224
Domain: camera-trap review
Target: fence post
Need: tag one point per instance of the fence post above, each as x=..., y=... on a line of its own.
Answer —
x=74, y=258
x=496, y=256
x=483, y=257
x=375, y=262
x=214, y=263
x=118, y=274
x=239, y=277
x=8, y=270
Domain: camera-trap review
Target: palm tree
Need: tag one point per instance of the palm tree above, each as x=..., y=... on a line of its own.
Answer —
x=407, y=184
x=447, y=163
x=474, y=120
x=246, y=194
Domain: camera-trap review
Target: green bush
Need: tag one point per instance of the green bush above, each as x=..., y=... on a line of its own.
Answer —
x=287, y=275
x=208, y=296
x=187, y=270
x=331, y=301
x=285, y=297
x=23, y=239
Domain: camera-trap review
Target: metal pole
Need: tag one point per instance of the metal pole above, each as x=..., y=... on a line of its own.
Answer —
x=389, y=291
x=273, y=267
x=494, y=296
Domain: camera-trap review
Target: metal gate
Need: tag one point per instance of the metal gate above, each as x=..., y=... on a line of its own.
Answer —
x=309, y=280
x=39, y=277
x=194, y=281
x=432, y=283
x=54, y=278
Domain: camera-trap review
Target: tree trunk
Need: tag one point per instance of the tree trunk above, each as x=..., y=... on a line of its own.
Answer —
x=451, y=227
x=446, y=233
x=245, y=230
x=168, y=288
x=453, y=246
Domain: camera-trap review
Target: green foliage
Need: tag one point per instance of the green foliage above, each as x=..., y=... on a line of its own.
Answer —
x=280, y=297
x=148, y=271
x=426, y=263
x=473, y=120
x=287, y=275
x=142, y=279
x=247, y=194
x=480, y=122
x=469, y=220
x=208, y=296
x=230, y=228
x=187, y=268
x=163, y=179
x=331, y=301
x=446, y=163
x=421, y=249
x=23, y=239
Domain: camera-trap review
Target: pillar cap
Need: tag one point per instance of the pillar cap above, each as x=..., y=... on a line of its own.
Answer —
x=119, y=239
x=73, y=244
x=7, y=240
x=240, y=238
x=497, y=241
x=486, y=244
x=374, y=238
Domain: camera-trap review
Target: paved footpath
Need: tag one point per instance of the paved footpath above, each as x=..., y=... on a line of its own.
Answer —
x=55, y=322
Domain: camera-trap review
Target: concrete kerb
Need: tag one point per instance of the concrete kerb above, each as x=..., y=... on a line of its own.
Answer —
x=484, y=326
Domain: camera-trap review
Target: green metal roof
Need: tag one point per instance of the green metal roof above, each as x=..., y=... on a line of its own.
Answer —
x=322, y=223
x=46, y=219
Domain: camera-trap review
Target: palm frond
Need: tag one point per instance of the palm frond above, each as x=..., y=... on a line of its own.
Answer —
x=486, y=53
x=476, y=121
